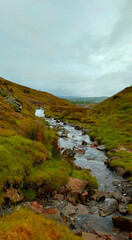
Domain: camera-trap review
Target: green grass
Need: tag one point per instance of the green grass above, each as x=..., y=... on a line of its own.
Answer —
x=109, y=123
x=29, y=194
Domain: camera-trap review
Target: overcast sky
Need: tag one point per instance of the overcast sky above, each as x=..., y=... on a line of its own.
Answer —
x=67, y=47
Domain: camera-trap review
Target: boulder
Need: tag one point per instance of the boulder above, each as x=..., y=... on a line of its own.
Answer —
x=68, y=210
x=81, y=210
x=123, y=223
x=101, y=147
x=120, y=171
x=76, y=185
x=108, y=207
x=14, y=195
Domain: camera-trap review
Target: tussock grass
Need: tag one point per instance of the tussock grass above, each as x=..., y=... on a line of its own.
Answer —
x=26, y=225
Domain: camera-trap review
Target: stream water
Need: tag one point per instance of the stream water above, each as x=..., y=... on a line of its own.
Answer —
x=90, y=158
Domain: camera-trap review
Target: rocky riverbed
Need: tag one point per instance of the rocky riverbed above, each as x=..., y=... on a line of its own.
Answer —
x=87, y=212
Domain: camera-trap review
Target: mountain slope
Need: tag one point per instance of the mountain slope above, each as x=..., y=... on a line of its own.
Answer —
x=29, y=154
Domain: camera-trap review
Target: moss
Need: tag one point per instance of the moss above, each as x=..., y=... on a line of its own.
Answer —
x=123, y=159
x=130, y=208
x=29, y=194
x=26, y=225
x=54, y=173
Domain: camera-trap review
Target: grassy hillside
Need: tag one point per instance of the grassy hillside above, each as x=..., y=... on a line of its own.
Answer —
x=29, y=154
x=109, y=123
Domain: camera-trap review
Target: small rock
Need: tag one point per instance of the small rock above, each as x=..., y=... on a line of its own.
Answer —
x=122, y=209
x=101, y=147
x=101, y=235
x=78, y=128
x=59, y=197
x=36, y=207
x=76, y=185
x=120, y=171
x=108, y=207
x=84, y=143
x=85, y=131
x=79, y=150
x=117, y=196
x=83, y=197
x=81, y=210
x=14, y=195
x=98, y=196
x=130, y=236
x=72, y=197
x=69, y=153
x=123, y=223
x=89, y=236
x=68, y=210
x=92, y=146
x=53, y=213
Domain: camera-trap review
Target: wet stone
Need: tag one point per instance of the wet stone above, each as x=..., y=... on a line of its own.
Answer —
x=108, y=207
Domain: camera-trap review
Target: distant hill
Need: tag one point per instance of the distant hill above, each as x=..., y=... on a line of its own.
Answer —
x=85, y=100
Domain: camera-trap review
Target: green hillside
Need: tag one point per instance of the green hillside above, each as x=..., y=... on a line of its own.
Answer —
x=109, y=123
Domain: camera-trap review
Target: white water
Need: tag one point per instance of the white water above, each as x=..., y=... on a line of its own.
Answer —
x=39, y=113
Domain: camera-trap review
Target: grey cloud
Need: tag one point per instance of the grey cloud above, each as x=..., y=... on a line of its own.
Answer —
x=67, y=47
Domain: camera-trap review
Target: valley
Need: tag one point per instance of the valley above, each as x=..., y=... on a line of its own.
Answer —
x=67, y=163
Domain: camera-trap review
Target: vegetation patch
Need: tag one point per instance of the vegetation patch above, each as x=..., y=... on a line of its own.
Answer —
x=20, y=225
